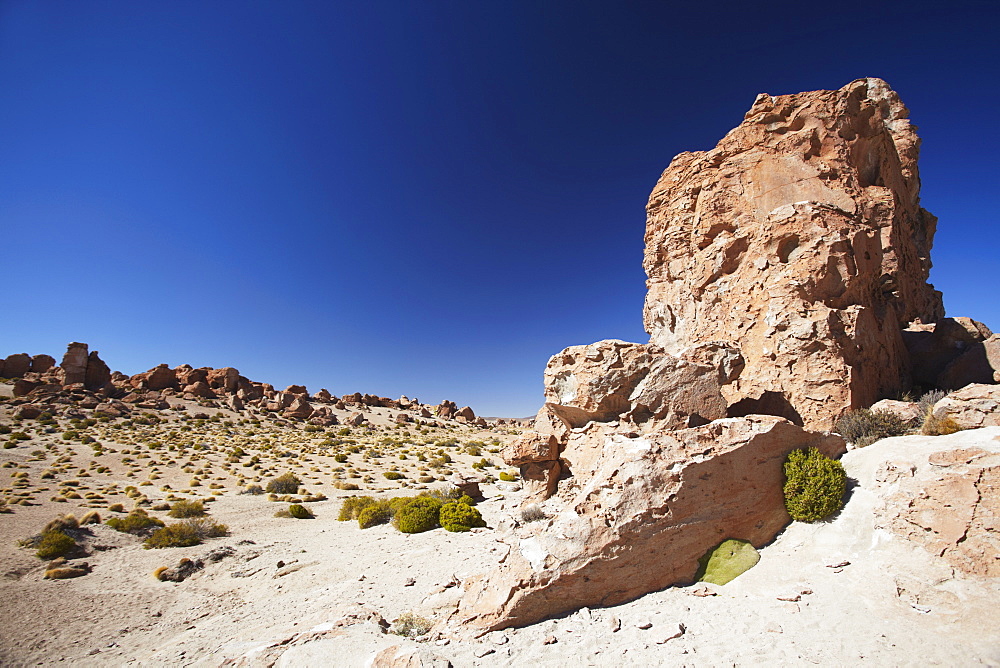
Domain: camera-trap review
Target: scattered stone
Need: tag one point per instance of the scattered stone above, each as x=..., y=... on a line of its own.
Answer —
x=614, y=624
x=550, y=640
x=644, y=624
x=483, y=651
x=677, y=633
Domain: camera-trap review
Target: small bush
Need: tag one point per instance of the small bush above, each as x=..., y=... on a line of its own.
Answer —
x=299, y=512
x=185, y=534
x=938, y=426
x=507, y=477
x=411, y=625
x=286, y=483
x=62, y=523
x=418, y=514
x=184, y=508
x=375, y=514
x=533, y=513
x=116, y=508
x=136, y=522
x=54, y=544
x=350, y=486
x=456, y=516
x=928, y=399
x=814, y=485
x=91, y=517
x=340, y=458
x=252, y=489
x=863, y=427
x=352, y=507
x=392, y=475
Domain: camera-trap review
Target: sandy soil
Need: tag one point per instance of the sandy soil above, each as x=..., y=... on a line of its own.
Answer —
x=311, y=592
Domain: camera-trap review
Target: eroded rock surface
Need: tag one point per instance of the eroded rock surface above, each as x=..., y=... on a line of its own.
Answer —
x=799, y=240
x=945, y=496
x=663, y=498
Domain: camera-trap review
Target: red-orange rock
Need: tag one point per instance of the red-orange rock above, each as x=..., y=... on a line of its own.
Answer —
x=74, y=363
x=800, y=241
x=42, y=363
x=661, y=499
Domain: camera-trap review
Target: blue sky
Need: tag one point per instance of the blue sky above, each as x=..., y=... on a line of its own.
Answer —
x=421, y=198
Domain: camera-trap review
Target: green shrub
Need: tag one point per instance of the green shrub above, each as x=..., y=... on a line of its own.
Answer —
x=392, y=475
x=814, y=485
x=187, y=533
x=340, y=457
x=418, y=514
x=456, y=516
x=863, y=427
x=184, y=508
x=286, y=483
x=377, y=513
x=54, y=544
x=507, y=477
x=299, y=512
x=136, y=522
x=353, y=506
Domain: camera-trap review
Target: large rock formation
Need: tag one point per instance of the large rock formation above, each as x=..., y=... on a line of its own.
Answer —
x=783, y=265
x=639, y=512
x=799, y=240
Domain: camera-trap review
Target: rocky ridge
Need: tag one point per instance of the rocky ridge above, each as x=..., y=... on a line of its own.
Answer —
x=83, y=379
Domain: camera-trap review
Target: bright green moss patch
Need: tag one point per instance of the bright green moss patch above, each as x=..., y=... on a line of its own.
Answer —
x=723, y=563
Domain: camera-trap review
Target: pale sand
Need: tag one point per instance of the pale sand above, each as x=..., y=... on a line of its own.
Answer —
x=893, y=605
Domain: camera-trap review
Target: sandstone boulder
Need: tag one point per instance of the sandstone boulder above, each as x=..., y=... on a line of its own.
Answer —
x=467, y=413
x=297, y=389
x=42, y=363
x=299, y=408
x=355, y=420
x=447, y=409
x=665, y=498
x=934, y=346
x=909, y=411
x=225, y=380
x=74, y=363
x=98, y=375
x=16, y=365
x=324, y=395
x=199, y=389
x=467, y=483
x=399, y=656
x=162, y=377
x=943, y=493
x=800, y=241
x=980, y=363
x=971, y=407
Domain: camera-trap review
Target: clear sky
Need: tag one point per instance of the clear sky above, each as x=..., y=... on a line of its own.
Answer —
x=424, y=198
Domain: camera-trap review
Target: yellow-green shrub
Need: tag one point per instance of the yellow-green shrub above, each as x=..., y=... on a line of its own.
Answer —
x=814, y=485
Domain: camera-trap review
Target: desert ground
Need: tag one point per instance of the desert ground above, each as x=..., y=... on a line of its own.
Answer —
x=291, y=592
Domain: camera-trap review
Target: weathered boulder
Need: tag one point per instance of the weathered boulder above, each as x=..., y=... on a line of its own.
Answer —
x=16, y=365
x=297, y=389
x=800, y=241
x=74, y=363
x=467, y=483
x=934, y=347
x=199, y=389
x=299, y=408
x=905, y=410
x=225, y=380
x=161, y=377
x=447, y=409
x=467, y=413
x=42, y=363
x=664, y=498
x=324, y=395
x=941, y=492
x=971, y=407
x=609, y=378
x=355, y=420
x=98, y=375
x=979, y=364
